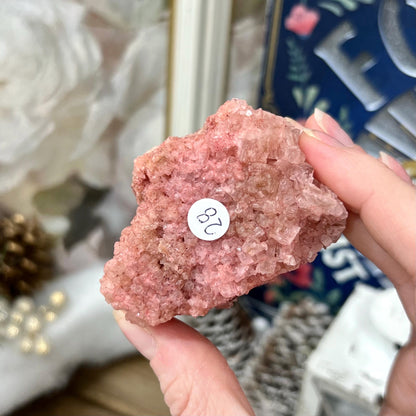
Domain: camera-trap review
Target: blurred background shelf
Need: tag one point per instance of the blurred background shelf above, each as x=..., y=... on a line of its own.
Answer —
x=126, y=387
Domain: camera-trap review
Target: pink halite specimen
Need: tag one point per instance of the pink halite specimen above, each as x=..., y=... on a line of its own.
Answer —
x=280, y=217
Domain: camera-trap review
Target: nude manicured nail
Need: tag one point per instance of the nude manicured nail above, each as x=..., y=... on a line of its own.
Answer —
x=331, y=127
x=395, y=166
x=324, y=138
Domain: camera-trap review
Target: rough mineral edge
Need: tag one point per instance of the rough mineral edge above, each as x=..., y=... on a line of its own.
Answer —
x=281, y=216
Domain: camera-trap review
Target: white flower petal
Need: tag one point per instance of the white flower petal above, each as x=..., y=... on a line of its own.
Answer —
x=144, y=130
x=100, y=115
x=143, y=69
x=52, y=111
x=20, y=135
x=98, y=168
x=130, y=13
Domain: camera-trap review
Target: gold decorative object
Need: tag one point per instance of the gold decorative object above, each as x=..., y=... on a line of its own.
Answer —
x=25, y=263
x=12, y=331
x=57, y=299
x=16, y=317
x=25, y=304
x=32, y=324
x=42, y=347
x=50, y=316
x=25, y=256
x=410, y=167
x=21, y=321
x=26, y=344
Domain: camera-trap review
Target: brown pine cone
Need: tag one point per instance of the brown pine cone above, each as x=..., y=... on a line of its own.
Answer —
x=25, y=256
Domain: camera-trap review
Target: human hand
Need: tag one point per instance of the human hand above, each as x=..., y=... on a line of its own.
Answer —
x=381, y=224
x=194, y=377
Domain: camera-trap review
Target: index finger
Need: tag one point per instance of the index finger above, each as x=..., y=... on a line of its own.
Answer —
x=385, y=203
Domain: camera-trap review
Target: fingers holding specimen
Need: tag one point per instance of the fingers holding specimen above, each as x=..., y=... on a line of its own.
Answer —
x=385, y=203
x=194, y=377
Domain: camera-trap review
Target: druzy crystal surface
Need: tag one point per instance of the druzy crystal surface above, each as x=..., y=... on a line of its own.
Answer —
x=280, y=217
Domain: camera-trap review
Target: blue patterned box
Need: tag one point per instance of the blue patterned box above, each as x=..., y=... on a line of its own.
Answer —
x=356, y=60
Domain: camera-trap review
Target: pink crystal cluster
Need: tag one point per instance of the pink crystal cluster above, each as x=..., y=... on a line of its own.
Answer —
x=280, y=217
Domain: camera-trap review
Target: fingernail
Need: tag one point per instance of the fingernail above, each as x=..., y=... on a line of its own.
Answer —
x=118, y=315
x=331, y=127
x=139, y=336
x=395, y=166
x=319, y=115
x=294, y=123
x=324, y=138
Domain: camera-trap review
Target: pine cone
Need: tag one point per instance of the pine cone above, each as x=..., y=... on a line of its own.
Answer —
x=274, y=375
x=25, y=256
x=230, y=331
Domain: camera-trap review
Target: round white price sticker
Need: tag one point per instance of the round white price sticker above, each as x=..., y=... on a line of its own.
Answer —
x=208, y=219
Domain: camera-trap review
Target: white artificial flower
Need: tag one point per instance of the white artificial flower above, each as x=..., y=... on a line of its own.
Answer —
x=131, y=14
x=53, y=106
x=142, y=71
x=139, y=85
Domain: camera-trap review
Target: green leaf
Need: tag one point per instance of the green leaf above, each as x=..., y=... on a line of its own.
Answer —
x=296, y=78
x=336, y=9
x=343, y=112
x=298, y=96
x=301, y=78
x=277, y=295
x=61, y=199
x=318, y=283
x=298, y=65
x=344, y=119
x=323, y=104
x=311, y=94
x=296, y=296
x=334, y=297
x=350, y=5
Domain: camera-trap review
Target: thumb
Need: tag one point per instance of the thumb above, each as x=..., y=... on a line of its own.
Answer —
x=194, y=377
